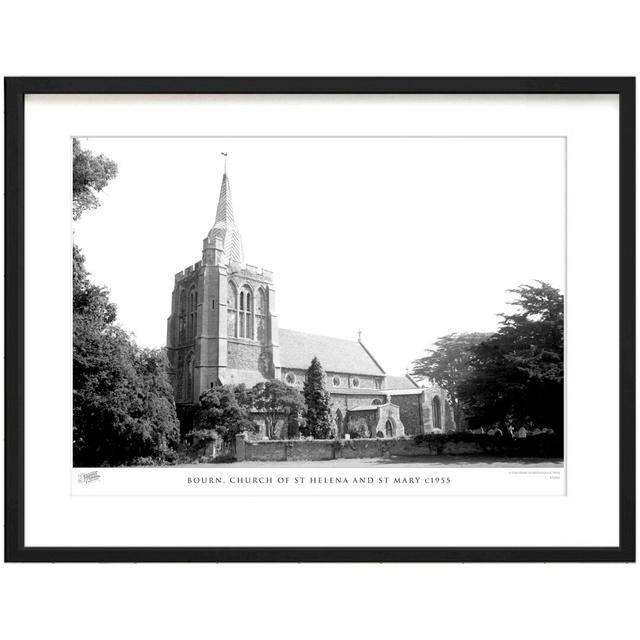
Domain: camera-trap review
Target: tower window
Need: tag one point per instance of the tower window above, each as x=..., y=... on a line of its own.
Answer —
x=232, y=310
x=246, y=313
x=182, y=320
x=193, y=317
x=261, y=316
x=355, y=382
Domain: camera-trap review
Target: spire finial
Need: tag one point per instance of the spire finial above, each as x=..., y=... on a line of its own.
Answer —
x=224, y=153
x=359, y=335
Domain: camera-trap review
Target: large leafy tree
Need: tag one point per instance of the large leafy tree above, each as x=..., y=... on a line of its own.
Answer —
x=517, y=375
x=91, y=174
x=123, y=406
x=448, y=364
x=225, y=411
x=318, y=401
x=276, y=401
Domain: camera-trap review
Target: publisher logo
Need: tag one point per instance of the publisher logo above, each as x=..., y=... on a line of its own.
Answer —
x=88, y=477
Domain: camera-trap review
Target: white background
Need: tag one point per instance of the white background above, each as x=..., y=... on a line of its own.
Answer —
x=459, y=38
x=587, y=516
x=405, y=238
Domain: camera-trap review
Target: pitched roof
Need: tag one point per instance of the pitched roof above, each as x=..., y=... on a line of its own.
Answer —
x=366, y=407
x=400, y=382
x=336, y=355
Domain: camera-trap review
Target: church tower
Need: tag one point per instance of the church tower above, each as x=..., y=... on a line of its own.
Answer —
x=223, y=328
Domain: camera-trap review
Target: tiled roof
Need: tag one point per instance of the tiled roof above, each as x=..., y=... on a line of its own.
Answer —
x=336, y=355
x=366, y=407
x=400, y=382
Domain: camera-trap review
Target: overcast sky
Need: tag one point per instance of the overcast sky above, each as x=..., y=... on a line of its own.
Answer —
x=407, y=239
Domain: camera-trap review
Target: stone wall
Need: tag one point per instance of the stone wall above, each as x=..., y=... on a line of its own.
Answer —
x=280, y=450
x=410, y=412
x=544, y=446
x=249, y=356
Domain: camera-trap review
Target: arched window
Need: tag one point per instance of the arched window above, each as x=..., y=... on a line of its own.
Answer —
x=232, y=311
x=261, y=316
x=191, y=325
x=195, y=313
x=388, y=428
x=182, y=317
x=188, y=371
x=437, y=417
x=246, y=313
x=180, y=376
x=249, y=318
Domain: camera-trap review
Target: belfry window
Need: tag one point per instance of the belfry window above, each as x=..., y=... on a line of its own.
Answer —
x=192, y=319
x=246, y=313
x=242, y=312
x=182, y=319
x=232, y=311
x=261, y=323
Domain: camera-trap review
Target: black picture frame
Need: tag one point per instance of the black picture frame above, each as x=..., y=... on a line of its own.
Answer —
x=15, y=91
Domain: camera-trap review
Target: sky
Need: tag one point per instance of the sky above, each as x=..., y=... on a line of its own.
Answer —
x=405, y=239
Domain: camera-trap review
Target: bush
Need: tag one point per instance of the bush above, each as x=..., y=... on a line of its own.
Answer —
x=544, y=445
x=357, y=431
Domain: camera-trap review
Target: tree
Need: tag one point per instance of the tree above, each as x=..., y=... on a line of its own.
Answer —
x=517, y=375
x=275, y=400
x=225, y=411
x=318, y=401
x=448, y=365
x=123, y=407
x=91, y=174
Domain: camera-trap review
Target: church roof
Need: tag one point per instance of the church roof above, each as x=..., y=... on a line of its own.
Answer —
x=225, y=227
x=336, y=355
x=400, y=382
x=365, y=407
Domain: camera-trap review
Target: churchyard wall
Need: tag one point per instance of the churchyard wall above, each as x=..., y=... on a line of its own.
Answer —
x=543, y=446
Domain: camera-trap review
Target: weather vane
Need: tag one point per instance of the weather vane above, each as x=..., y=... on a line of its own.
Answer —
x=224, y=153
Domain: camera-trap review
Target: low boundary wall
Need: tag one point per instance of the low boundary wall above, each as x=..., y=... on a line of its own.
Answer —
x=546, y=446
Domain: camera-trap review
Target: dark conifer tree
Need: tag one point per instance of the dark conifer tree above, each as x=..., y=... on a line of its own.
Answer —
x=317, y=398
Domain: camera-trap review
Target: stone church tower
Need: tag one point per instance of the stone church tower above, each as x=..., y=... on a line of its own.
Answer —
x=223, y=328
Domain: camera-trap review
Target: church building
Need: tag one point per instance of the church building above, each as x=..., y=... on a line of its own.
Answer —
x=223, y=329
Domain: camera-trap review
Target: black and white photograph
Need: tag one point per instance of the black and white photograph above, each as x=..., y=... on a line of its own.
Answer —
x=373, y=319
x=320, y=302
x=320, y=320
